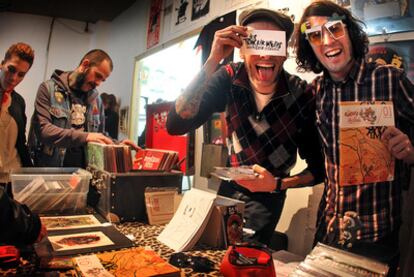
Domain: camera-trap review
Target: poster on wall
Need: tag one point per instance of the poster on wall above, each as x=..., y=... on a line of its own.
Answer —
x=238, y=4
x=154, y=23
x=181, y=15
x=200, y=9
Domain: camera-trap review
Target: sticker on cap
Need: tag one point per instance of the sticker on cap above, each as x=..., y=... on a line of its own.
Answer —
x=264, y=43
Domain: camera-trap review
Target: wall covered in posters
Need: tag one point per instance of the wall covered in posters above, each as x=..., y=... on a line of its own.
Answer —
x=185, y=12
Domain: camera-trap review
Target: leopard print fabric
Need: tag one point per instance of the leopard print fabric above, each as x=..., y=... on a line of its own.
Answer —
x=146, y=236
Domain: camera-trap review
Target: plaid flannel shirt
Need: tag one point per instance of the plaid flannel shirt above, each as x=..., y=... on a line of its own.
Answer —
x=378, y=205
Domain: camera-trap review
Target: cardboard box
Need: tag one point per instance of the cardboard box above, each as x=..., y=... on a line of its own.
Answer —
x=161, y=204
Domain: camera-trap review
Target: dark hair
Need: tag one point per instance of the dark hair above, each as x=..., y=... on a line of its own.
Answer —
x=111, y=101
x=265, y=15
x=305, y=57
x=96, y=57
x=21, y=50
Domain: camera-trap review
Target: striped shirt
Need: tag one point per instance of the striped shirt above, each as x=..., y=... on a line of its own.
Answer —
x=377, y=205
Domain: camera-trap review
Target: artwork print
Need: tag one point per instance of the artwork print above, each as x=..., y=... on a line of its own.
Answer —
x=69, y=222
x=154, y=24
x=79, y=241
x=200, y=9
x=364, y=155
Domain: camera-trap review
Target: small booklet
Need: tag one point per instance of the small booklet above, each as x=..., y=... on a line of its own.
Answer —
x=363, y=155
x=234, y=173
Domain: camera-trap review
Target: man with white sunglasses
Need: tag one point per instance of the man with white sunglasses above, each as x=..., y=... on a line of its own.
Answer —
x=364, y=216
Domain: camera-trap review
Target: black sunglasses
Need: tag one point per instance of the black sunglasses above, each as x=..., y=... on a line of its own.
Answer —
x=198, y=264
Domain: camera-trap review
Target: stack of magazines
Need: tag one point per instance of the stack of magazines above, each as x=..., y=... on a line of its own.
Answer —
x=325, y=261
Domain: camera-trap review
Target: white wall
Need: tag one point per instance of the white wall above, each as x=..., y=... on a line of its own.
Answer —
x=68, y=44
x=124, y=39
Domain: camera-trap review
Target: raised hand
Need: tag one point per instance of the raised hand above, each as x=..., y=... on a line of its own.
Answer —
x=226, y=40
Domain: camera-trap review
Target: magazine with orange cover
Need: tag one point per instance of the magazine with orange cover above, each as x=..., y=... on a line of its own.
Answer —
x=363, y=155
x=155, y=159
x=137, y=262
x=146, y=159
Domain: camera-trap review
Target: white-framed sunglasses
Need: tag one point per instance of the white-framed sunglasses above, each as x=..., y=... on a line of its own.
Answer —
x=335, y=28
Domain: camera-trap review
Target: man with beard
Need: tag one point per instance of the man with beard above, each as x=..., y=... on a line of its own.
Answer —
x=269, y=118
x=69, y=114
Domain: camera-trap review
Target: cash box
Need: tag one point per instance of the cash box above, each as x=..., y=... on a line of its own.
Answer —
x=122, y=195
x=51, y=190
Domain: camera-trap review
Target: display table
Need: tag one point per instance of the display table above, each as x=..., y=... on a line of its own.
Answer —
x=145, y=236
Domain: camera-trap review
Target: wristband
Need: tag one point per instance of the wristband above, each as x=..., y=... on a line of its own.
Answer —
x=278, y=188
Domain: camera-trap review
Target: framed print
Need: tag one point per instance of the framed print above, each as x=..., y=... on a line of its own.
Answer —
x=79, y=241
x=53, y=223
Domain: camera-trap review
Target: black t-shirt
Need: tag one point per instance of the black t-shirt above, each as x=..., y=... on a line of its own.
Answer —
x=205, y=40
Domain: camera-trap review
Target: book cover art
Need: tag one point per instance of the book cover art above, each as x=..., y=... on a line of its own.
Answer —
x=148, y=160
x=363, y=155
x=136, y=262
x=114, y=158
x=154, y=159
x=96, y=155
x=233, y=225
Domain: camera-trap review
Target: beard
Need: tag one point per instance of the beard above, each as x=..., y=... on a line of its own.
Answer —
x=81, y=80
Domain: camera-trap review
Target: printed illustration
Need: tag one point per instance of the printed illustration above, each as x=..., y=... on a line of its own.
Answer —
x=69, y=222
x=364, y=156
x=154, y=24
x=136, y=262
x=200, y=9
x=79, y=241
x=233, y=221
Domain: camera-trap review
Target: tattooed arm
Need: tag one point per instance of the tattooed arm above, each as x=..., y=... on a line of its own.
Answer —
x=187, y=105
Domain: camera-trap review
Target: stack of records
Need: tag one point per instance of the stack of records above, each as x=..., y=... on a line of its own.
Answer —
x=325, y=261
x=155, y=159
x=115, y=158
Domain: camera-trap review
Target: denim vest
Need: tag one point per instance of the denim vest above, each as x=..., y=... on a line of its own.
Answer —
x=60, y=110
